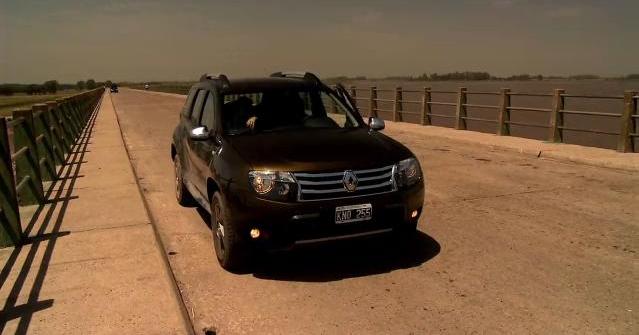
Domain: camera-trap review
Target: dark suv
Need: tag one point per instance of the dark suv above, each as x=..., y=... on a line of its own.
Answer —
x=287, y=160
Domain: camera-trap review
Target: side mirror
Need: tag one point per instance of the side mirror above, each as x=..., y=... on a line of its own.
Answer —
x=200, y=133
x=375, y=123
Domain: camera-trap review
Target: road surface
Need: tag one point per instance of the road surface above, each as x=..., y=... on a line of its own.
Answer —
x=508, y=244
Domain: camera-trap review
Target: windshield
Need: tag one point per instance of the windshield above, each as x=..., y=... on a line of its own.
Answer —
x=281, y=110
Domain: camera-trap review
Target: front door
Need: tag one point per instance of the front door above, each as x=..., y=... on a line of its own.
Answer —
x=203, y=152
x=191, y=171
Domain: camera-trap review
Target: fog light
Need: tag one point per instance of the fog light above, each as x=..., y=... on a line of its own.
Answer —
x=255, y=233
x=414, y=214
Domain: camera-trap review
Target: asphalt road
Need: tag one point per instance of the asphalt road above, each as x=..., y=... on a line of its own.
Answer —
x=508, y=244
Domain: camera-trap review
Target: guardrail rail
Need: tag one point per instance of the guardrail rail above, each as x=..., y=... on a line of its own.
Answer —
x=628, y=118
x=34, y=142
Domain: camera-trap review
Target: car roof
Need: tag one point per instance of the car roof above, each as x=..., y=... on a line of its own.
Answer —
x=248, y=85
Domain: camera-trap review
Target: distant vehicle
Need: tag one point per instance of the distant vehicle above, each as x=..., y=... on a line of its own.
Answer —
x=146, y=86
x=114, y=88
x=287, y=160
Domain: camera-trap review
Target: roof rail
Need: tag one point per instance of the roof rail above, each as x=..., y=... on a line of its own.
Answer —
x=221, y=77
x=297, y=74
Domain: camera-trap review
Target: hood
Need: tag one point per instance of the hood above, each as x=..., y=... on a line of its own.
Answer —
x=318, y=150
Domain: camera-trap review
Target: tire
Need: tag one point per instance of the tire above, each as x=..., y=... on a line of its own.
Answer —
x=231, y=251
x=182, y=194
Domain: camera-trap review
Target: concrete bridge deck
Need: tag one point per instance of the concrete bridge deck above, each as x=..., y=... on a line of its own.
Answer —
x=509, y=243
x=91, y=263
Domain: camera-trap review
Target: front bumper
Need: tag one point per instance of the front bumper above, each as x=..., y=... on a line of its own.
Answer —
x=285, y=224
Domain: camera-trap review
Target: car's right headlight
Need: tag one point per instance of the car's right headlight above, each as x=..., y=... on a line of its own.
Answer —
x=408, y=172
x=273, y=185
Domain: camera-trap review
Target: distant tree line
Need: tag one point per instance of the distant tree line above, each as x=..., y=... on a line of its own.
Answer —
x=48, y=87
x=334, y=80
x=476, y=75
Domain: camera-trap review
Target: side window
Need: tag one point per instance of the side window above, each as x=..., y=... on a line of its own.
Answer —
x=208, y=115
x=197, y=107
x=335, y=110
x=186, y=111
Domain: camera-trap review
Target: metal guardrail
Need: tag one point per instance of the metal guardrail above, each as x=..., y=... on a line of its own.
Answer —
x=628, y=118
x=33, y=143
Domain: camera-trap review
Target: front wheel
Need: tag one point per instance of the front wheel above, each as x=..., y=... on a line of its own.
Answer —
x=232, y=253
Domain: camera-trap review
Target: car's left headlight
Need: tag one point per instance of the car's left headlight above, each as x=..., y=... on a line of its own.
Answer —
x=273, y=185
x=408, y=172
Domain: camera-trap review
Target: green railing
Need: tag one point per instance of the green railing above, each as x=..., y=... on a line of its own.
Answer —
x=33, y=144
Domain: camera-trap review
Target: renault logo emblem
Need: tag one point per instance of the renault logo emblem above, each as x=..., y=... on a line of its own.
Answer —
x=350, y=181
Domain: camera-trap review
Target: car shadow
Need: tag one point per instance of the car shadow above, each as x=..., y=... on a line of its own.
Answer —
x=331, y=261
x=347, y=258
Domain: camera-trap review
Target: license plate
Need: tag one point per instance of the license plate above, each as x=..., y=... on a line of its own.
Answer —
x=353, y=213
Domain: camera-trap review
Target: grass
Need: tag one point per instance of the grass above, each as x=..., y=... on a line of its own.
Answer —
x=9, y=103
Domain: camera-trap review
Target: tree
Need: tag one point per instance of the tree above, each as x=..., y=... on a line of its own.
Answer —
x=583, y=76
x=32, y=89
x=108, y=83
x=523, y=76
x=50, y=86
x=6, y=90
x=80, y=85
x=90, y=84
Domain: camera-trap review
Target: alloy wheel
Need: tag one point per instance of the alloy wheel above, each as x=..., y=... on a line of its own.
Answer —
x=218, y=227
x=178, y=179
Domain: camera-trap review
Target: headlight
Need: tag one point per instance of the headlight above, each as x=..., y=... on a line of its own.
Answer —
x=408, y=172
x=273, y=185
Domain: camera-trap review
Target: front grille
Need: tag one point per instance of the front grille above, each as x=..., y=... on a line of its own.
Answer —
x=330, y=185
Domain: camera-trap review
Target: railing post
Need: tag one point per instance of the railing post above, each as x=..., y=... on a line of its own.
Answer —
x=397, y=106
x=354, y=92
x=373, y=102
x=64, y=127
x=60, y=134
x=43, y=141
x=503, y=126
x=10, y=227
x=29, y=163
x=66, y=111
x=76, y=107
x=51, y=130
x=557, y=117
x=460, y=110
x=425, y=117
x=628, y=122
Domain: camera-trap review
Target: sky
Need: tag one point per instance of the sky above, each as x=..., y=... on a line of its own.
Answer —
x=143, y=40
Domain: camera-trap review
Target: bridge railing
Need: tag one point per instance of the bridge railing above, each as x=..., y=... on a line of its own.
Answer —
x=627, y=118
x=34, y=142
